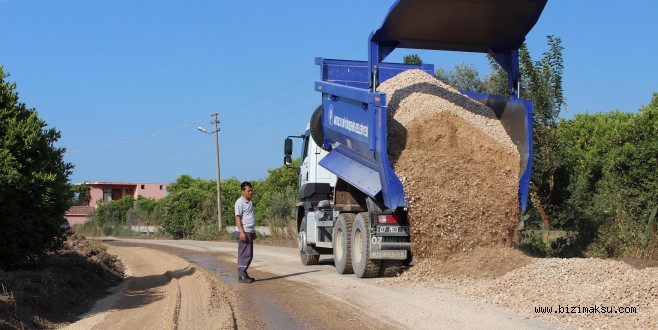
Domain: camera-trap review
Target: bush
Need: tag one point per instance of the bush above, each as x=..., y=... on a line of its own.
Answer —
x=184, y=211
x=282, y=208
x=611, y=162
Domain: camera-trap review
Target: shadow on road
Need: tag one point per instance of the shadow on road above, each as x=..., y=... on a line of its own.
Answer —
x=144, y=290
x=287, y=275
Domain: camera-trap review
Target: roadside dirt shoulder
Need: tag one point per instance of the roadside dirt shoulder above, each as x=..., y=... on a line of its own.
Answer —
x=163, y=291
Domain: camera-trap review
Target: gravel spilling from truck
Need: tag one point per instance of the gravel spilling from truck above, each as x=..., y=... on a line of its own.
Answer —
x=458, y=166
x=460, y=170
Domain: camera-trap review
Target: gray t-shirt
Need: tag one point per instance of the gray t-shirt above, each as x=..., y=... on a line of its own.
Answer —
x=245, y=209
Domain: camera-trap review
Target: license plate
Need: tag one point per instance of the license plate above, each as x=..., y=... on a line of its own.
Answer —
x=393, y=230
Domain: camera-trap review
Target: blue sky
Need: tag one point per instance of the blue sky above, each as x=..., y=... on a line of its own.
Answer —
x=128, y=82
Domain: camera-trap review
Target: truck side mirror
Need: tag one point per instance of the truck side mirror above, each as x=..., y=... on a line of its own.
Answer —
x=287, y=160
x=287, y=148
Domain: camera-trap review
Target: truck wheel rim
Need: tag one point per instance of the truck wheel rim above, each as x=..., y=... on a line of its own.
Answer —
x=357, y=246
x=301, y=240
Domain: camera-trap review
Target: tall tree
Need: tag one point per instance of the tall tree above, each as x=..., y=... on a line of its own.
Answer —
x=543, y=81
x=34, y=188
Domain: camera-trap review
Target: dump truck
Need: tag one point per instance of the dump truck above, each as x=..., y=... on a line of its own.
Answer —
x=351, y=202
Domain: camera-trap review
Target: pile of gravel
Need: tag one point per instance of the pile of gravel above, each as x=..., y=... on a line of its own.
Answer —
x=458, y=166
x=580, y=287
x=460, y=169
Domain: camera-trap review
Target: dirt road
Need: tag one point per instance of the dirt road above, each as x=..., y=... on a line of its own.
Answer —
x=192, y=285
x=163, y=291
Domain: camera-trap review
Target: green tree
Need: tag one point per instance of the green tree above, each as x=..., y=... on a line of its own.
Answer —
x=184, y=212
x=412, y=59
x=611, y=162
x=463, y=77
x=34, y=188
x=230, y=193
x=113, y=212
x=630, y=185
x=280, y=181
x=543, y=79
x=123, y=205
x=81, y=194
x=585, y=143
x=148, y=205
x=283, y=206
x=185, y=182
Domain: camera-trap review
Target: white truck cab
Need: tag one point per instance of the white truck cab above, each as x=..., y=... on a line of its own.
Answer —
x=310, y=170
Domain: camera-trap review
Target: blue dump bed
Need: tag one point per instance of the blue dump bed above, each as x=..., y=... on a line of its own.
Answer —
x=354, y=121
x=355, y=129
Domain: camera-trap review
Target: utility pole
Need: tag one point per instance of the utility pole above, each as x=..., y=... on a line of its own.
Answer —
x=215, y=121
x=219, y=189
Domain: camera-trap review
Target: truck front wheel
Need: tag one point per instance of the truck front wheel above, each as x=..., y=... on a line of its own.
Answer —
x=364, y=267
x=342, y=243
x=307, y=254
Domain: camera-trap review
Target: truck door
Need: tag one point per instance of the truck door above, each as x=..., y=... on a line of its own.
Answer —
x=306, y=163
x=321, y=174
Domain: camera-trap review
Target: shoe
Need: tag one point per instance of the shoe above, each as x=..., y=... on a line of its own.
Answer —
x=245, y=279
x=252, y=279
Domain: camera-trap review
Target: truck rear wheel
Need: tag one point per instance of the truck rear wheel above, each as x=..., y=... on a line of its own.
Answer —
x=363, y=266
x=307, y=254
x=342, y=243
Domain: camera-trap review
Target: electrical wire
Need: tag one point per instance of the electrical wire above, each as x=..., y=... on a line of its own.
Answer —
x=271, y=120
x=251, y=102
x=349, y=51
x=276, y=105
x=136, y=139
x=145, y=161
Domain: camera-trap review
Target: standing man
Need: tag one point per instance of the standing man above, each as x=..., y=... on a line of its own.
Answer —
x=245, y=231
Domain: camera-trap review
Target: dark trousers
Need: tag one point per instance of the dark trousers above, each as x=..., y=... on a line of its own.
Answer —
x=245, y=252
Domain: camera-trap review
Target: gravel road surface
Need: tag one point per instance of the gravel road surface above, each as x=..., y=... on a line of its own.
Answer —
x=285, y=295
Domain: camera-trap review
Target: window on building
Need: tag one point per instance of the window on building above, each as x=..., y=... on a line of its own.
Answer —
x=160, y=187
x=143, y=187
x=107, y=194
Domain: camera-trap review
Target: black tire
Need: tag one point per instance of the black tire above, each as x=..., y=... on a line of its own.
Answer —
x=390, y=268
x=307, y=254
x=316, y=127
x=342, y=243
x=363, y=266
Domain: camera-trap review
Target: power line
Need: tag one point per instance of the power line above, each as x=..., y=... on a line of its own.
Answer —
x=284, y=87
x=256, y=100
x=136, y=139
x=271, y=120
x=146, y=161
x=297, y=97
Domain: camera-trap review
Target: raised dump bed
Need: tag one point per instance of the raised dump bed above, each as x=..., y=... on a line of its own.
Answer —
x=354, y=121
